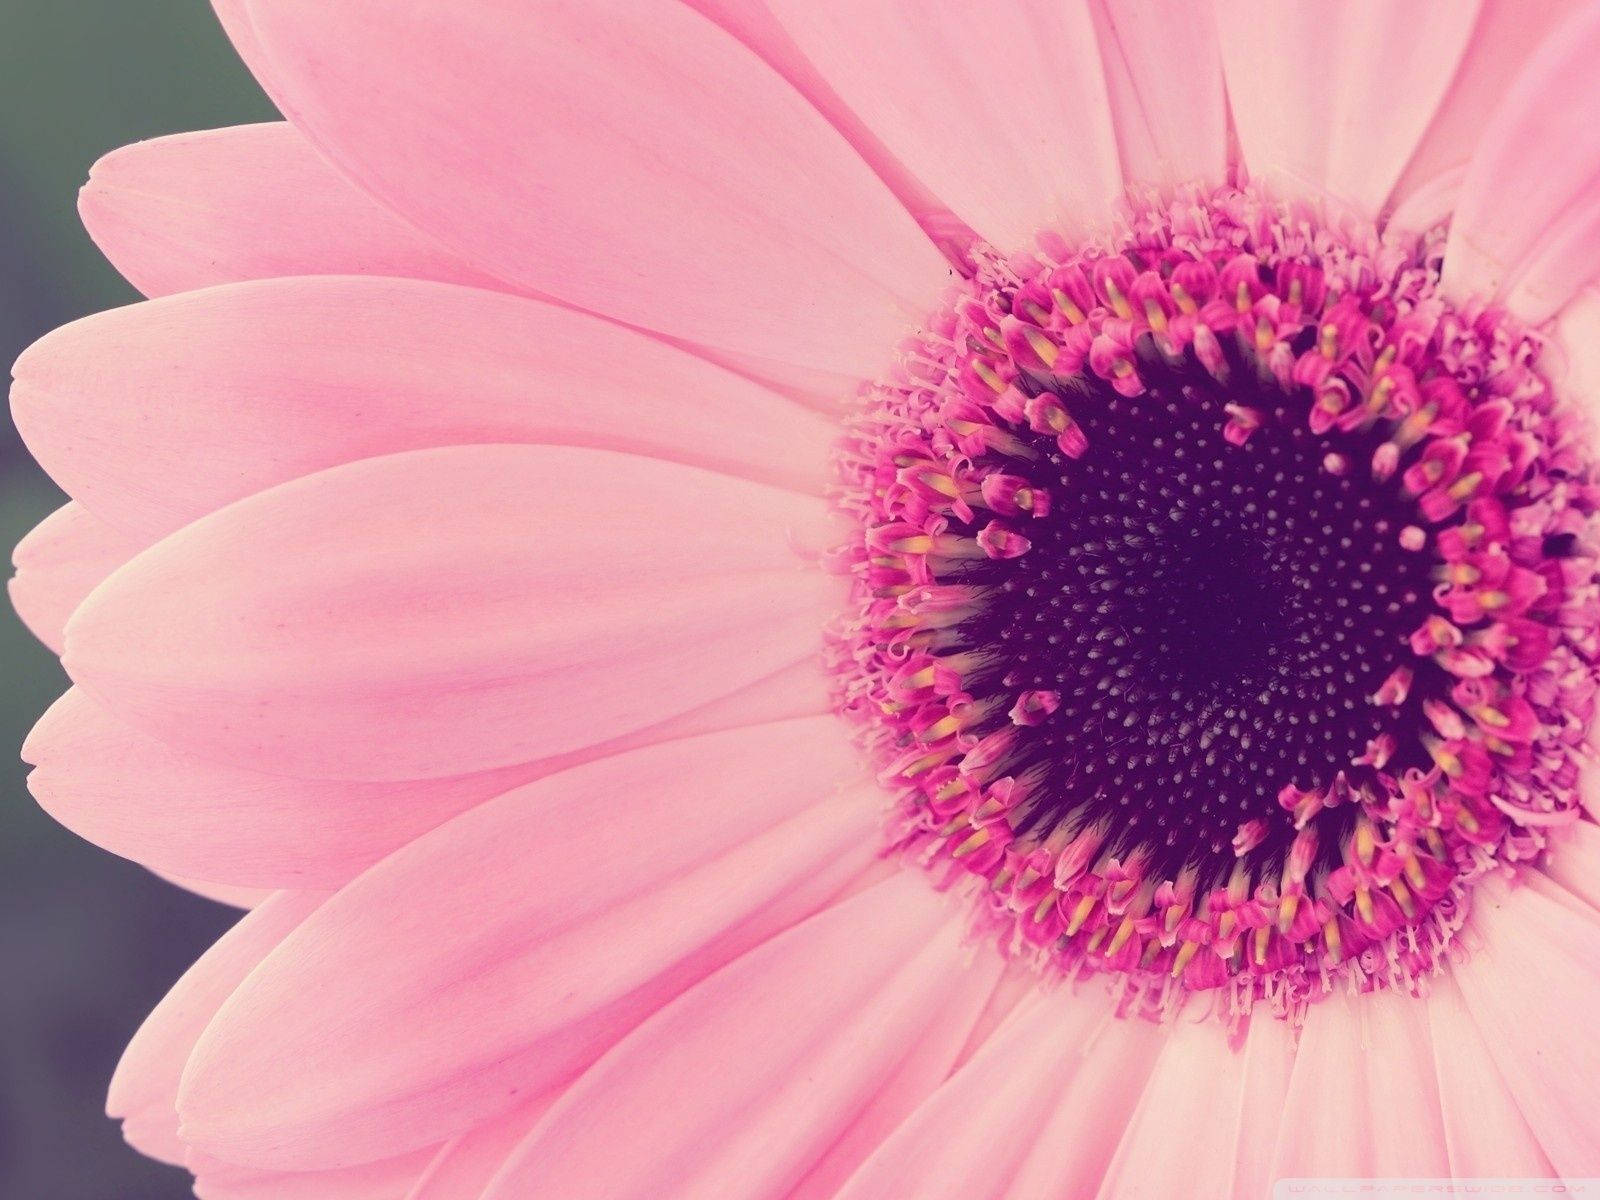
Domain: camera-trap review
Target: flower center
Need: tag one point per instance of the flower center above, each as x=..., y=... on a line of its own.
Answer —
x=1199, y=617
x=1224, y=601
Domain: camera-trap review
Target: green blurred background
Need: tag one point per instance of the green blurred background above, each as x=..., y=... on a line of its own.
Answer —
x=88, y=943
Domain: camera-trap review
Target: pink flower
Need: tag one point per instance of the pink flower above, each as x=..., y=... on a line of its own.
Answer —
x=454, y=576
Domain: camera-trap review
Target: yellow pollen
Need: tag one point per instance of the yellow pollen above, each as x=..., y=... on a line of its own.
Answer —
x=1157, y=318
x=1491, y=716
x=1042, y=346
x=987, y=374
x=1402, y=897
x=1413, y=870
x=1119, y=302
x=1263, y=335
x=1328, y=340
x=1124, y=932
x=1068, y=309
x=1183, y=300
x=1330, y=935
x=1287, y=907
x=1364, y=903
x=979, y=838
x=1080, y=915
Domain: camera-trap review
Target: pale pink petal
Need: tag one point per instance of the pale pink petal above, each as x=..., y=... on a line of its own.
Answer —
x=560, y=598
x=579, y=151
x=1506, y=35
x=391, y=1179
x=1486, y=1134
x=1107, y=1074
x=1330, y=97
x=1163, y=69
x=144, y=1089
x=1207, y=1120
x=928, y=1059
x=753, y=23
x=1573, y=860
x=574, y=907
x=1528, y=227
x=251, y=202
x=1018, y=981
x=799, y=1035
x=1530, y=982
x=1362, y=1100
x=465, y=1165
x=61, y=561
x=173, y=811
x=1427, y=206
x=1571, y=358
x=1010, y=151
x=158, y=413
x=970, y=1138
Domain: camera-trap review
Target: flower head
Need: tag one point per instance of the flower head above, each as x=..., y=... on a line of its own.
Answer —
x=818, y=600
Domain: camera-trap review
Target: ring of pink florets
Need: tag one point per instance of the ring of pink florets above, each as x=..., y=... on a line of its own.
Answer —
x=1475, y=438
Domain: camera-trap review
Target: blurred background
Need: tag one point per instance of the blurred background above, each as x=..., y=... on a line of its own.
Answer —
x=88, y=942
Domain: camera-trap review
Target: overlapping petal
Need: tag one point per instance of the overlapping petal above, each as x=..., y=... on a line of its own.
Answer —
x=251, y=202
x=156, y=414
x=450, y=611
x=517, y=942
x=1330, y=97
x=733, y=216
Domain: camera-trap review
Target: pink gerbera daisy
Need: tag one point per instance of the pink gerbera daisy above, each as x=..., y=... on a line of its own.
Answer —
x=789, y=599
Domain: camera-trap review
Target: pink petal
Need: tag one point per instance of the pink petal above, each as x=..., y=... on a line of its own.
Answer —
x=949, y=1030
x=1226, y=1100
x=1486, y=1134
x=464, y=1166
x=970, y=1139
x=1163, y=69
x=1426, y=206
x=178, y=813
x=1530, y=984
x=252, y=202
x=1572, y=357
x=1505, y=36
x=1362, y=1100
x=156, y=414
x=1537, y=244
x=61, y=561
x=391, y=1179
x=801, y=1032
x=1331, y=97
x=1573, y=861
x=577, y=150
x=1070, y=1155
x=558, y=598
x=518, y=941
x=144, y=1089
x=1010, y=151
x=753, y=23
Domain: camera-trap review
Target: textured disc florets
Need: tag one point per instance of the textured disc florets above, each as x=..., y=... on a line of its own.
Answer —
x=1224, y=601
